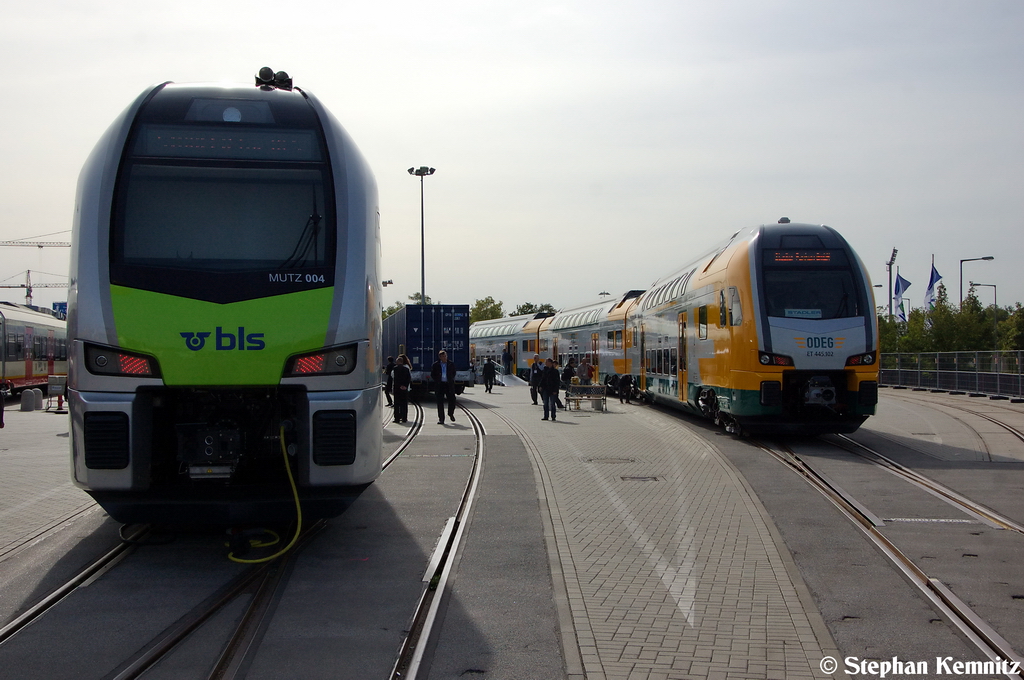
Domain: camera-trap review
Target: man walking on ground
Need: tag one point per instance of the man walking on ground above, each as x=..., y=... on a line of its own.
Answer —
x=549, y=384
x=443, y=375
x=536, y=368
x=489, y=371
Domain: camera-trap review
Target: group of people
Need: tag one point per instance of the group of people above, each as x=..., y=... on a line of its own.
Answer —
x=544, y=378
x=398, y=381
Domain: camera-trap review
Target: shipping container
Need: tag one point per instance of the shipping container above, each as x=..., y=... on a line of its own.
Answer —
x=421, y=331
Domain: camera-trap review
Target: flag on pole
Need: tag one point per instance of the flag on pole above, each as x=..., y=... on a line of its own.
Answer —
x=901, y=287
x=929, y=295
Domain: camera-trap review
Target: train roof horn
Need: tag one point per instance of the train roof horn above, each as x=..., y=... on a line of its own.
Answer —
x=267, y=79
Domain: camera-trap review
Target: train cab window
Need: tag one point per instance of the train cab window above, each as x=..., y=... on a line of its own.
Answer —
x=702, y=322
x=735, y=308
x=225, y=209
x=804, y=284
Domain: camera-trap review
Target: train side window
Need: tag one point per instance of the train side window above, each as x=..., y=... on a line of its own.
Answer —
x=735, y=308
x=722, y=319
x=618, y=339
x=12, y=345
x=702, y=322
x=673, y=367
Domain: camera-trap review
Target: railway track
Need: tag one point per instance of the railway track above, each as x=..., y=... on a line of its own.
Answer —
x=971, y=507
x=439, y=568
x=262, y=586
x=973, y=627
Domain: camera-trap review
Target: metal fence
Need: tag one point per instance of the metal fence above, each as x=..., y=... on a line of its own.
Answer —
x=991, y=373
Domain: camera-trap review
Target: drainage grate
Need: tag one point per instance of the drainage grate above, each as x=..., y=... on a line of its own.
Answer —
x=612, y=461
x=639, y=479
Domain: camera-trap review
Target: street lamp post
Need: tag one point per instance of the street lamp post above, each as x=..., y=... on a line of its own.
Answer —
x=888, y=268
x=422, y=172
x=969, y=259
x=995, y=313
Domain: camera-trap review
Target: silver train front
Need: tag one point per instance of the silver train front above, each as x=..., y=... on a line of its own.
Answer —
x=116, y=317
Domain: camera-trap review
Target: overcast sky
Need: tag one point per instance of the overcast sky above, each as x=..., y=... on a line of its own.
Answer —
x=580, y=147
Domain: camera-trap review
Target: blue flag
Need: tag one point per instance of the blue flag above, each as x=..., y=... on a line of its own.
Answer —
x=901, y=287
x=929, y=295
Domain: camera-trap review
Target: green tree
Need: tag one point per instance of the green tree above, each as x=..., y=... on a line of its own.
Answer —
x=530, y=308
x=392, y=309
x=1011, y=330
x=485, y=309
x=415, y=297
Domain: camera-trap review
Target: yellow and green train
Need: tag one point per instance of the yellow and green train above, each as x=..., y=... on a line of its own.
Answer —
x=224, y=309
x=774, y=330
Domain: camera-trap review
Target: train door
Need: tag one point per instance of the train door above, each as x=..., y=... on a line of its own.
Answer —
x=513, y=348
x=643, y=359
x=681, y=366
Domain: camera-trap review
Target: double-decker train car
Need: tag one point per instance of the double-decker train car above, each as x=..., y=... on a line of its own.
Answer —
x=33, y=346
x=494, y=338
x=773, y=330
x=224, y=315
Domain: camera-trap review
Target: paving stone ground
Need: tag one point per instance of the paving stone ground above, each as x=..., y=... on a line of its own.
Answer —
x=670, y=567
x=35, y=476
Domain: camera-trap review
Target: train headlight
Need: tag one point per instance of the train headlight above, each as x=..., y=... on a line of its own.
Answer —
x=861, y=359
x=113, y=361
x=768, y=359
x=327, y=361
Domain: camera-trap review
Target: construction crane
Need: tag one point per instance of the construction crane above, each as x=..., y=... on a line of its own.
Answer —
x=38, y=244
x=28, y=286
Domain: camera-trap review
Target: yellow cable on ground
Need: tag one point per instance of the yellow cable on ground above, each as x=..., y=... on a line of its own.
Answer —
x=298, y=512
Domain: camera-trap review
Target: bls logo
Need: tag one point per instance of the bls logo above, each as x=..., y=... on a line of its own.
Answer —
x=225, y=341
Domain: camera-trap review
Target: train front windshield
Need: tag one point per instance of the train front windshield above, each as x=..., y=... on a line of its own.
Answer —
x=224, y=198
x=810, y=285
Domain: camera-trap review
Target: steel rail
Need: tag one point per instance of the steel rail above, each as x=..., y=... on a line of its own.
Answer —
x=439, y=572
x=91, y=570
x=417, y=425
x=973, y=627
x=958, y=500
x=262, y=577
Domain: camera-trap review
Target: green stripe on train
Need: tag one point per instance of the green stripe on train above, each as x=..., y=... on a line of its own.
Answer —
x=203, y=343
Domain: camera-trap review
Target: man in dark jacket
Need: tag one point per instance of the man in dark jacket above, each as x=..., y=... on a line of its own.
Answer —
x=549, y=384
x=442, y=373
x=536, y=368
x=625, y=387
x=489, y=372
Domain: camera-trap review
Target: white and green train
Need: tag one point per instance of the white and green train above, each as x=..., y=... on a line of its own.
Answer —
x=224, y=308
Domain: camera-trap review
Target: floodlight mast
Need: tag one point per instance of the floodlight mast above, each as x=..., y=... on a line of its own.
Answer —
x=888, y=268
x=422, y=172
